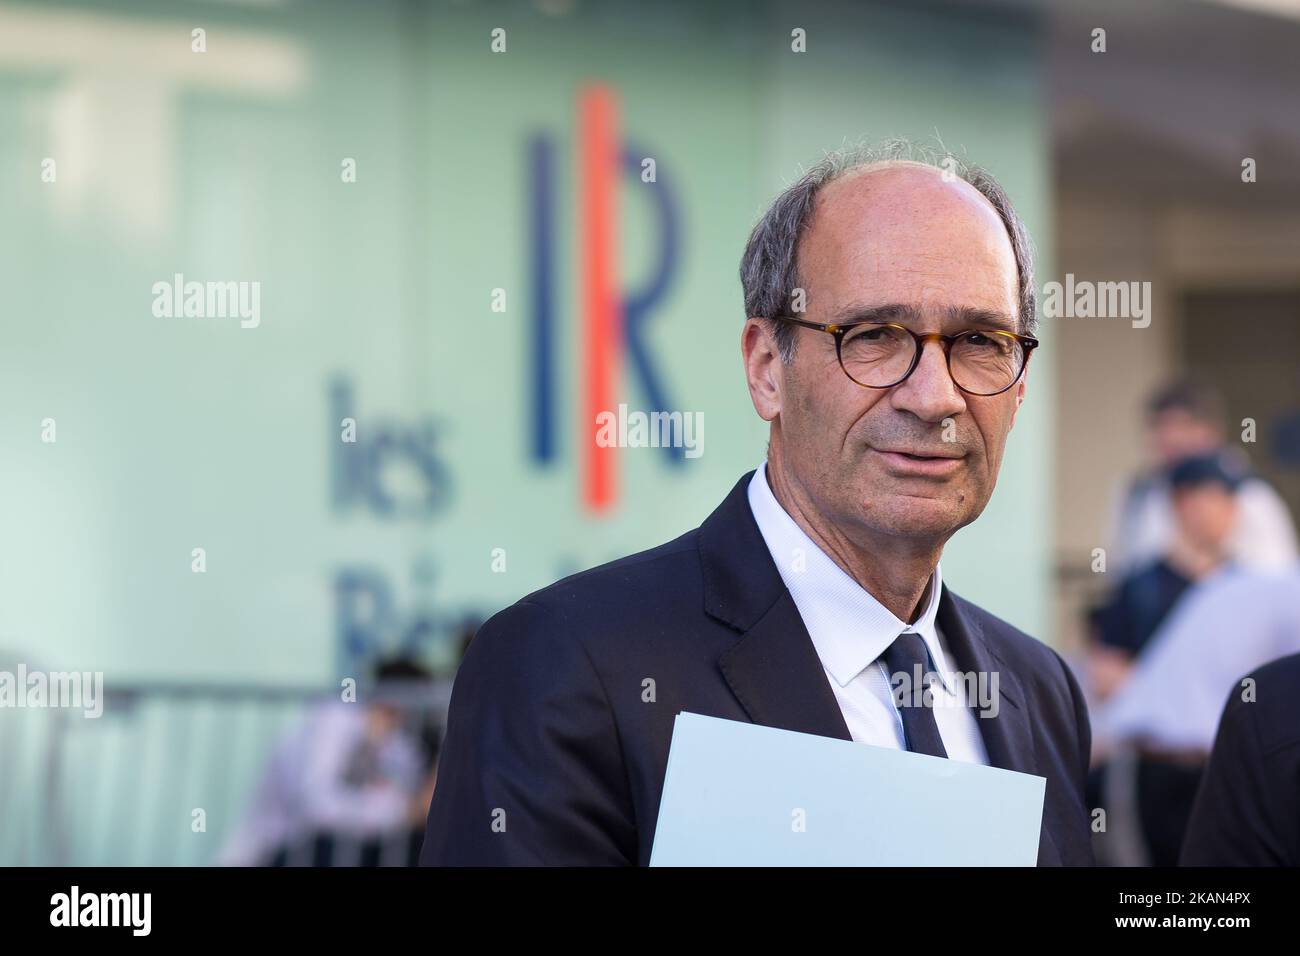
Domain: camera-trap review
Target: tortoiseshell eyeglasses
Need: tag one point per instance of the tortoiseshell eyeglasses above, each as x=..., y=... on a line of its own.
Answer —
x=883, y=354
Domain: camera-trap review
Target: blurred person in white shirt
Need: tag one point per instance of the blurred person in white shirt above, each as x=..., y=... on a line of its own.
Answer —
x=1184, y=420
x=351, y=771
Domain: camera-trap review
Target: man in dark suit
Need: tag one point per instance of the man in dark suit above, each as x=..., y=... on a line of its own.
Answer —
x=890, y=305
x=1247, y=811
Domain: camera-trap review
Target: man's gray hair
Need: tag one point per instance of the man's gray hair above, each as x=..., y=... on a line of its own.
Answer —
x=769, y=268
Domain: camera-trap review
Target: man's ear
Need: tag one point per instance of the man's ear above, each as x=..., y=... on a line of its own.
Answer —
x=764, y=369
x=1020, y=396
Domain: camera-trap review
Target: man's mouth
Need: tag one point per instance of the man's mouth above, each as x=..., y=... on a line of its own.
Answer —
x=922, y=456
x=921, y=464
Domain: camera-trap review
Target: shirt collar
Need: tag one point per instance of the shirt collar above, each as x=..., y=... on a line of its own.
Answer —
x=849, y=628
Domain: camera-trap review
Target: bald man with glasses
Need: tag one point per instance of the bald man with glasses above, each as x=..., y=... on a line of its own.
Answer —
x=890, y=319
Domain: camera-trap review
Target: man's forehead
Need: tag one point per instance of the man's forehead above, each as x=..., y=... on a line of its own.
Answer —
x=909, y=235
x=916, y=187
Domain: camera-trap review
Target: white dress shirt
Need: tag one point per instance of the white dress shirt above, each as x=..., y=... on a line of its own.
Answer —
x=850, y=629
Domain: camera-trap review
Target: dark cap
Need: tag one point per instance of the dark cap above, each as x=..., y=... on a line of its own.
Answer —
x=1205, y=470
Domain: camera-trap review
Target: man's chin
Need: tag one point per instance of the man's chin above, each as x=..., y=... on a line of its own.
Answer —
x=914, y=513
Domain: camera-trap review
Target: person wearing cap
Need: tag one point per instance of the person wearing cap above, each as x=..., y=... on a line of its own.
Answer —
x=1204, y=498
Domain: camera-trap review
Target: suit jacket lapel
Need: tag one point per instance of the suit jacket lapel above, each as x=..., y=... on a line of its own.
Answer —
x=1008, y=737
x=776, y=675
x=773, y=669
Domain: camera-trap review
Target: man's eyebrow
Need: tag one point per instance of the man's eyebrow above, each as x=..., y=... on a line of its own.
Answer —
x=889, y=312
x=967, y=317
x=961, y=316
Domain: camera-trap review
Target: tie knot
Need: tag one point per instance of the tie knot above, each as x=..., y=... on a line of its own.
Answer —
x=907, y=650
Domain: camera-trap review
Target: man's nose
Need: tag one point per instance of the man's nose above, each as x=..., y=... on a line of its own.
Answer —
x=929, y=392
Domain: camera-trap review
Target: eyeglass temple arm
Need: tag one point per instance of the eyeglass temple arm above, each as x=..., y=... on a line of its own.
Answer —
x=819, y=326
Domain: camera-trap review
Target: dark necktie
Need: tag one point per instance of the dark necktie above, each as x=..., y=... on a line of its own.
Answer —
x=919, y=725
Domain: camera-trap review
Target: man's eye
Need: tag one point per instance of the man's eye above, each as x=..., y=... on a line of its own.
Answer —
x=987, y=343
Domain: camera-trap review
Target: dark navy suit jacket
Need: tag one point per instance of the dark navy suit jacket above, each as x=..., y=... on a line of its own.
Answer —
x=557, y=740
x=1247, y=810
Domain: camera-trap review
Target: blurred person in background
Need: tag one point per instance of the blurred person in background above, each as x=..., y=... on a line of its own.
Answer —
x=352, y=777
x=1185, y=420
x=1247, y=810
x=1203, y=494
x=1165, y=715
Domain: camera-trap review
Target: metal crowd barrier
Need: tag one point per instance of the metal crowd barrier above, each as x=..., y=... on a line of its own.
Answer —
x=160, y=778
